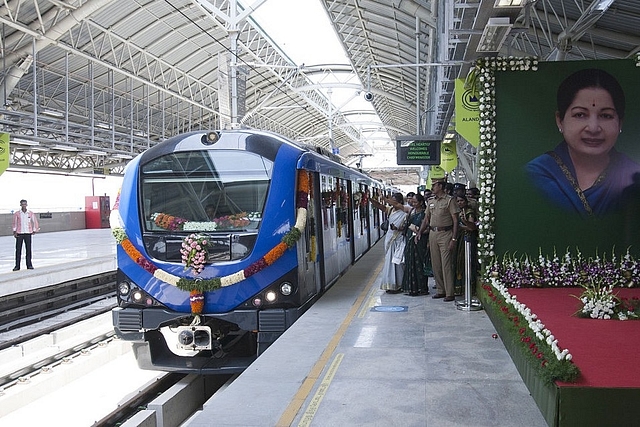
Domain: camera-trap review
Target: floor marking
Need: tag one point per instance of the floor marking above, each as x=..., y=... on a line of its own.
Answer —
x=308, y=415
x=307, y=385
x=371, y=300
x=390, y=308
x=366, y=337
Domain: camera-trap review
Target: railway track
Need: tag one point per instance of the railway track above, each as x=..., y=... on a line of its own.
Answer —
x=32, y=308
x=48, y=363
x=72, y=309
x=181, y=394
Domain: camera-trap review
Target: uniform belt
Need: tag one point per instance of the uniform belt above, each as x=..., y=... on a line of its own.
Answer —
x=446, y=228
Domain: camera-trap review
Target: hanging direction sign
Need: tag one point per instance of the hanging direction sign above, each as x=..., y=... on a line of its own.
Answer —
x=418, y=150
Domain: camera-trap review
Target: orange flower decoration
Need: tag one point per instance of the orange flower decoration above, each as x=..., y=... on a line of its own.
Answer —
x=275, y=253
x=303, y=181
x=131, y=250
x=196, y=299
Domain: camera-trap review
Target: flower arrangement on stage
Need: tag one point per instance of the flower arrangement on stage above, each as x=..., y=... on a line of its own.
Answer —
x=599, y=302
x=194, y=252
x=198, y=286
x=566, y=271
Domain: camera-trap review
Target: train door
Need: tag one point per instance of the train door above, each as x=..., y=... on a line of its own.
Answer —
x=360, y=221
x=375, y=215
x=328, y=227
x=344, y=227
x=308, y=272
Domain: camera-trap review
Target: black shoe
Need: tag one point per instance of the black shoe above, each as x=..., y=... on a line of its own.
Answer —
x=16, y=268
x=413, y=294
x=29, y=268
x=448, y=299
x=394, y=291
x=438, y=296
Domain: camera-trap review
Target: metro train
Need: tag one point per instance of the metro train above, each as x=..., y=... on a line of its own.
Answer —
x=225, y=238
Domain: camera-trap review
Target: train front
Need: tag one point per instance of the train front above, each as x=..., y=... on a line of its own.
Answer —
x=207, y=266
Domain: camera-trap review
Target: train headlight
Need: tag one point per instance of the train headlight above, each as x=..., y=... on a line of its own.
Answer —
x=257, y=302
x=194, y=337
x=270, y=296
x=124, y=288
x=286, y=288
x=137, y=296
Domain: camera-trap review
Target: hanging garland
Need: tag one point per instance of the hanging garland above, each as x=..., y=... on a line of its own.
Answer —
x=198, y=286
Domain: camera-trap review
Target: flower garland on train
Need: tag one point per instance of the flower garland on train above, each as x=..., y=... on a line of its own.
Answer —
x=198, y=286
x=338, y=201
x=174, y=223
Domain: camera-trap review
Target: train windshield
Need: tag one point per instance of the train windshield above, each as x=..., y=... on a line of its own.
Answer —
x=205, y=191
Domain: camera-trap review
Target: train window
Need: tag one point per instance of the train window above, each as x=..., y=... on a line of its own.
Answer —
x=205, y=191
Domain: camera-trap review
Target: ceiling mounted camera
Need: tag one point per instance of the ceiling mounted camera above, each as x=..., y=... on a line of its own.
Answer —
x=368, y=96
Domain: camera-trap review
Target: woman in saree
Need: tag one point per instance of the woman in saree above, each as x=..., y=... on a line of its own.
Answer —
x=393, y=272
x=415, y=253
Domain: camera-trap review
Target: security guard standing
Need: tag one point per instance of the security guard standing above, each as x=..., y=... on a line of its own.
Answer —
x=441, y=218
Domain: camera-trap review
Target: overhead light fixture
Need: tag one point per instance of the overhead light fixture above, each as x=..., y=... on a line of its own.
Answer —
x=494, y=35
x=53, y=113
x=103, y=125
x=123, y=156
x=509, y=3
x=603, y=5
x=64, y=148
x=23, y=142
x=94, y=153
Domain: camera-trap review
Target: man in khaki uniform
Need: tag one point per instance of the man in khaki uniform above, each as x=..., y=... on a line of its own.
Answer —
x=441, y=218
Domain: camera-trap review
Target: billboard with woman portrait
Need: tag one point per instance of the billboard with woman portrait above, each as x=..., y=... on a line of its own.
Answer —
x=559, y=156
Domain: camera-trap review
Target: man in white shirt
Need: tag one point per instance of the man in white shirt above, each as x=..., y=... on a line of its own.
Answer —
x=25, y=224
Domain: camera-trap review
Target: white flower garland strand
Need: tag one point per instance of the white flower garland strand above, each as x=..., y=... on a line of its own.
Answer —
x=533, y=322
x=486, y=68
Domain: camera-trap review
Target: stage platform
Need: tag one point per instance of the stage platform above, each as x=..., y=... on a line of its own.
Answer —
x=608, y=388
x=57, y=257
x=362, y=357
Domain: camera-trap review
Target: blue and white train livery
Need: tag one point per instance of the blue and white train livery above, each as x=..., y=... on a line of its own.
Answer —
x=225, y=238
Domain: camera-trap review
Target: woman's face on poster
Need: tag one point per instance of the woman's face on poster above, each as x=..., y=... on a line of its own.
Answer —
x=590, y=125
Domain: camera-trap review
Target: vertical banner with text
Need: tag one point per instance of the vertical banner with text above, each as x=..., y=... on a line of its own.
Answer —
x=448, y=155
x=467, y=113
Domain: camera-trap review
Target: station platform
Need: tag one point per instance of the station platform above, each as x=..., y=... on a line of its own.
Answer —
x=357, y=357
x=362, y=357
x=57, y=257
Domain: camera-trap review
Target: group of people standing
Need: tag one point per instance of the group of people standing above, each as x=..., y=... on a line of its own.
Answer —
x=426, y=237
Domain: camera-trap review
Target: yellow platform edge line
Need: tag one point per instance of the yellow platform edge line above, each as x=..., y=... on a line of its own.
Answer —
x=300, y=397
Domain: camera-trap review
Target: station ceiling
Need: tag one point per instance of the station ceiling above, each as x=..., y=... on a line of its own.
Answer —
x=88, y=84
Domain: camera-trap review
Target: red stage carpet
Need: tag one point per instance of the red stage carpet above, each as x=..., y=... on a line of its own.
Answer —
x=605, y=351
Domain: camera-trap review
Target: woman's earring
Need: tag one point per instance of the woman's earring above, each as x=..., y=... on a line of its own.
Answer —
x=620, y=130
x=560, y=130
